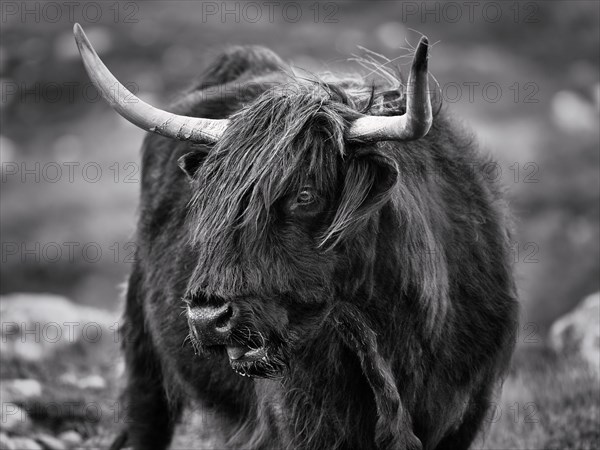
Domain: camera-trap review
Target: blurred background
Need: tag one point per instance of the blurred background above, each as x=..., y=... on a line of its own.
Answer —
x=524, y=76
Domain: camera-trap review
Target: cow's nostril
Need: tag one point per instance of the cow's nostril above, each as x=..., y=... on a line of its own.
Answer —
x=213, y=324
x=223, y=321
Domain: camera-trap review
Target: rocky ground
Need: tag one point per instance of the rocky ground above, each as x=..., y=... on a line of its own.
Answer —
x=551, y=399
x=60, y=373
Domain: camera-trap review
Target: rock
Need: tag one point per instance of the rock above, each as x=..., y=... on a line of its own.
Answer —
x=14, y=419
x=102, y=440
x=6, y=443
x=50, y=442
x=21, y=389
x=35, y=326
x=578, y=332
x=27, y=350
x=573, y=113
x=69, y=378
x=92, y=382
x=89, y=382
x=71, y=438
x=120, y=368
x=24, y=443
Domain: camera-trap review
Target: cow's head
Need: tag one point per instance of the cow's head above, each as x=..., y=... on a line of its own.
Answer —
x=278, y=190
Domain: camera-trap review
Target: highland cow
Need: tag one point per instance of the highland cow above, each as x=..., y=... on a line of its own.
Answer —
x=320, y=261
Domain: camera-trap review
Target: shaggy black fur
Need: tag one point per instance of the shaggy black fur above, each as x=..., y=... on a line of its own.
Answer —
x=376, y=276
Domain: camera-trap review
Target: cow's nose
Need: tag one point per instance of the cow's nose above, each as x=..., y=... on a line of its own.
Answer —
x=212, y=324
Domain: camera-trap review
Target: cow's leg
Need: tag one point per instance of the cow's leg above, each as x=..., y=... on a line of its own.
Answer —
x=148, y=415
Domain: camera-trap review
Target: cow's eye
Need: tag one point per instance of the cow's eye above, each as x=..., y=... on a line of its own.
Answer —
x=306, y=201
x=305, y=197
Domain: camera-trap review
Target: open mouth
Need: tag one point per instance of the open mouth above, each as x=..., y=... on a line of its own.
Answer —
x=243, y=354
x=253, y=362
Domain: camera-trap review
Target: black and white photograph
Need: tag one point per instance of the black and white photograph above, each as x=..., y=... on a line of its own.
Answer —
x=300, y=225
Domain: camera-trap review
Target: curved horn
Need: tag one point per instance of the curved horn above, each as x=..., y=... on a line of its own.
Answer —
x=418, y=118
x=139, y=112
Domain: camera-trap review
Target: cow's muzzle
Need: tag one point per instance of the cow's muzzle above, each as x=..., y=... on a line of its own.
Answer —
x=212, y=325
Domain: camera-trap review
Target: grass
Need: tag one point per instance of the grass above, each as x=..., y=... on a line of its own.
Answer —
x=548, y=401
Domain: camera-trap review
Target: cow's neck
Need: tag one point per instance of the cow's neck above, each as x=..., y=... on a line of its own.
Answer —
x=323, y=401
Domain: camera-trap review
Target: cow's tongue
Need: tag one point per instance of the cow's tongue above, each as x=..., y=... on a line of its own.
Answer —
x=237, y=352
x=245, y=353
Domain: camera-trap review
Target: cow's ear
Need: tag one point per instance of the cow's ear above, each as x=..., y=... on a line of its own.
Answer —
x=375, y=175
x=368, y=184
x=191, y=162
x=385, y=177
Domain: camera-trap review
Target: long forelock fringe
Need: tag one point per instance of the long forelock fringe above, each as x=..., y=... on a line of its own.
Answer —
x=264, y=152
